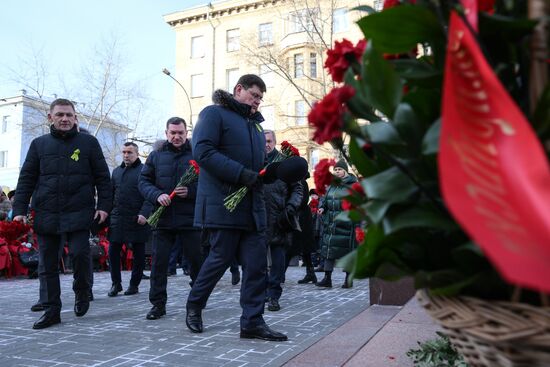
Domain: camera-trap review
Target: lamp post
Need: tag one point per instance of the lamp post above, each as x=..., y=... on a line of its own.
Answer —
x=167, y=72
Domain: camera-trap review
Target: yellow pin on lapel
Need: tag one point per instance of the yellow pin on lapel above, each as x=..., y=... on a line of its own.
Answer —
x=75, y=157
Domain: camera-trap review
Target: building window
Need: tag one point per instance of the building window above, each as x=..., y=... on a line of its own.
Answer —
x=267, y=75
x=298, y=65
x=233, y=40
x=3, y=158
x=5, y=123
x=197, y=47
x=197, y=85
x=340, y=20
x=300, y=112
x=302, y=20
x=265, y=33
x=268, y=112
x=313, y=65
x=231, y=78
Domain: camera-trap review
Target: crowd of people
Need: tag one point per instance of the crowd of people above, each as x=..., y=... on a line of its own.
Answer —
x=66, y=181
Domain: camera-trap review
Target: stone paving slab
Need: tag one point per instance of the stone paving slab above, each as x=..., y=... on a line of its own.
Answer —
x=116, y=333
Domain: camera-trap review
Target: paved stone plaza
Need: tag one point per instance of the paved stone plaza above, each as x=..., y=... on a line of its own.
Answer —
x=115, y=332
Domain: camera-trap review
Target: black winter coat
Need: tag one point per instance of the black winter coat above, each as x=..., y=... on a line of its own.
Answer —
x=160, y=175
x=128, y=203
x=278, y=197
x=226, y=140
x=304, y=241
x=62, y=172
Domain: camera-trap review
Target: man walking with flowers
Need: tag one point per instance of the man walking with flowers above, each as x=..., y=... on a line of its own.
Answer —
x=160, y=184
x=228, y=144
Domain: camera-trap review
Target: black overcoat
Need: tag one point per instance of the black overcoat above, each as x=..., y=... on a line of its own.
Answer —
x=128, y=203
x=62, y=172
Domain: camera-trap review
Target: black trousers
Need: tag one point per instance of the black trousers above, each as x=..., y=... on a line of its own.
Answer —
x=48, y=267
x=251, y=252
x=138, y=264
x=276, y=272
x=163, y=241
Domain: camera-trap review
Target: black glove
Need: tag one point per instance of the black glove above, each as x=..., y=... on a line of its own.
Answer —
x=248, y=177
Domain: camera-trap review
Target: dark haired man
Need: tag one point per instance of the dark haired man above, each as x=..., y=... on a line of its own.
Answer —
x=159, y=177
x=228, y=144
x=62, y=171
x=128, y=219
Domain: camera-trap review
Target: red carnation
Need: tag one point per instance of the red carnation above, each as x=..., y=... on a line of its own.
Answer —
x=358, y=188
x=391, y=3
x=285, y=145
x=295, y=151
x=359, y=235
x=346, y=205
x=486, y=6
x=342, y=56
x=322, y=175
x=327, y=114
x=195, y=166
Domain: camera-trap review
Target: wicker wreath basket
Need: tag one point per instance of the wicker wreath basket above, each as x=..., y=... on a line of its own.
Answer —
x=489, y=333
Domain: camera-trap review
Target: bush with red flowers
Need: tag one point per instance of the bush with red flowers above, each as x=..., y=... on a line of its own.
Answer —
x=408, y=229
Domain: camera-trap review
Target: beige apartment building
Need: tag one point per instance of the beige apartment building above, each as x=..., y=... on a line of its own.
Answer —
x=283, y=41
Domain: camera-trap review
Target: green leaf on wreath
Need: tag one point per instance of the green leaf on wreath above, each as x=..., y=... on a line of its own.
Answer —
x=376, y=210
x=383, y=88
x=408, y=126
x=415, y=24
x=425, y=216
x=430, y=143
x=391, y=185
x=363, y=164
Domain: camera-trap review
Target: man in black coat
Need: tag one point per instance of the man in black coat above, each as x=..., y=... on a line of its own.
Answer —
x=228, y=144
x=128, y=220
x=62, y=172
x=158, y=179
x=282, y=201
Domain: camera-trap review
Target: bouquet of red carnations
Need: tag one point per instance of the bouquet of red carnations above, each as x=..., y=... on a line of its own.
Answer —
x=190, y=175
x=232, y=200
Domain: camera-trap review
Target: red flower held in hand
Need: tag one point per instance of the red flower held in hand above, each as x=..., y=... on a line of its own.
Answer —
x=342, y=56
x=359, y=235
x=327, y=114
x=322, y=175
x=195, y=166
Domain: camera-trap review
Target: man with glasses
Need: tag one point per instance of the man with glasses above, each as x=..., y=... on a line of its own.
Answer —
x=229, y=145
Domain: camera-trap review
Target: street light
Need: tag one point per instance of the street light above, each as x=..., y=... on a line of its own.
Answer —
x=167, y=72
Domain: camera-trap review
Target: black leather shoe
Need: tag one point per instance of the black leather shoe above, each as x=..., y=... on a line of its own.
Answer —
x=273, y=305
x=156, y=313
x=115, y=288
x=193, y=320
x=37, y=307
x=81, y=307
x=235, y=277
x=90, y=295
x=131, y=290
x=263, y=332
x=325, y=283
x=310, y=277
x=46, y=321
